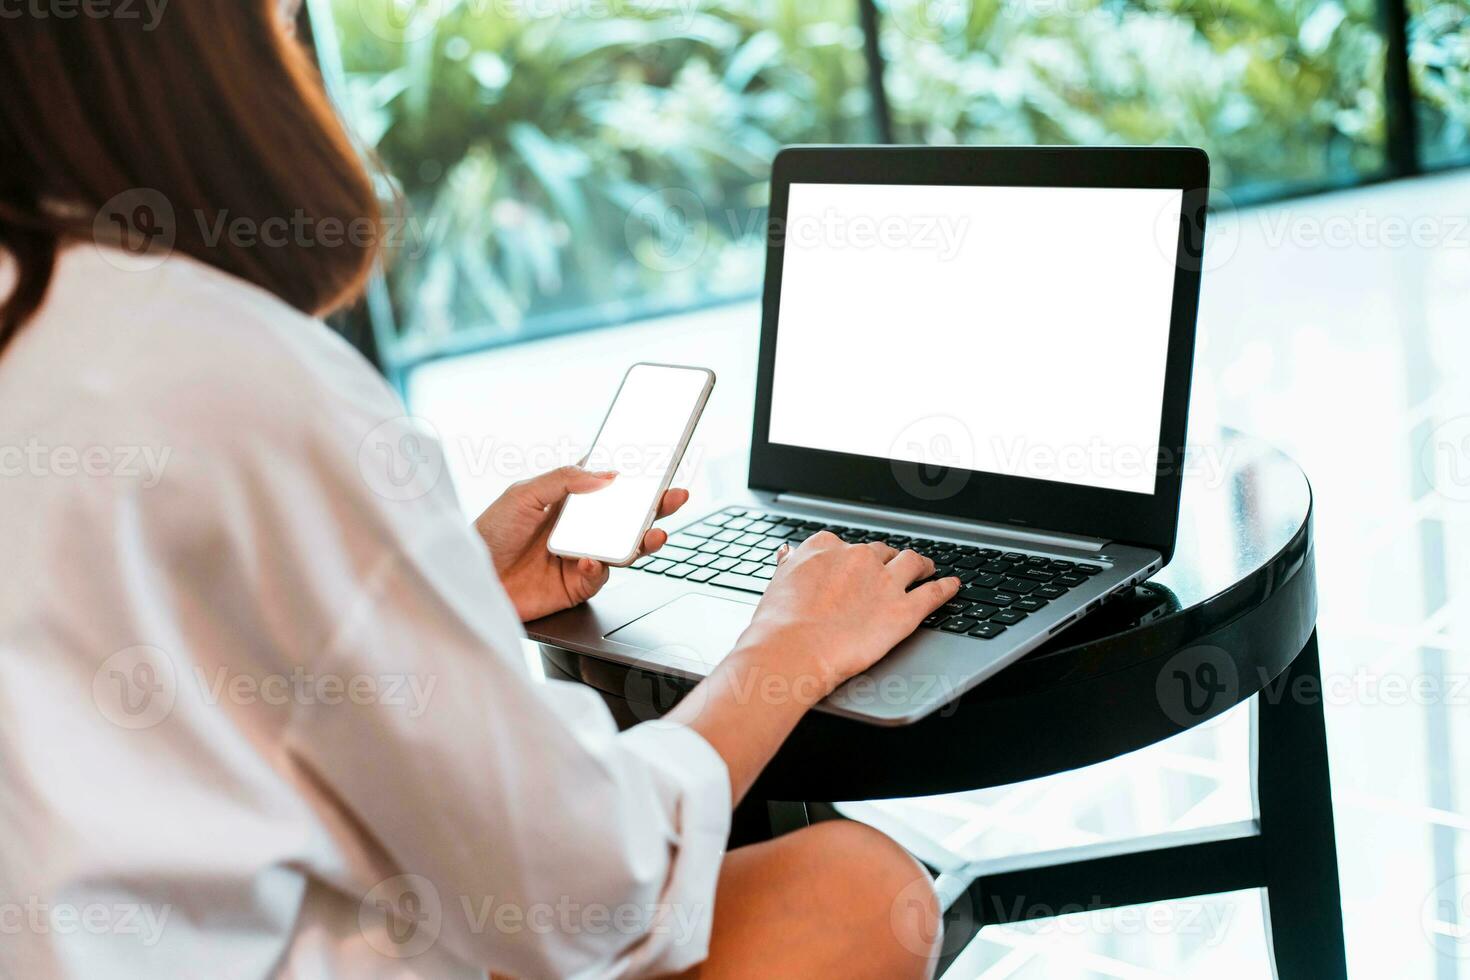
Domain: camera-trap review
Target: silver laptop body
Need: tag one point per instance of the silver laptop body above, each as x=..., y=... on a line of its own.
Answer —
x=1039, y=544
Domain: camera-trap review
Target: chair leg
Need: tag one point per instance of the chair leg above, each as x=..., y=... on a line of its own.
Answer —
x=755, y=821
x=786, y=817
x=1294, y=793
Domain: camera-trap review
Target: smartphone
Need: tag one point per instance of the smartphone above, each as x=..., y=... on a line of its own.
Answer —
x=642, y=439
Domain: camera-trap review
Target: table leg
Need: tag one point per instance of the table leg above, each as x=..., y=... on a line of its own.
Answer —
x=786, y=817
x=1294, y=794
x=1290, y=850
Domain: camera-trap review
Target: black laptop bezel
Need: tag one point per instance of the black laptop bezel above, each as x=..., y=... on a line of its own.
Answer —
x=1132, y=518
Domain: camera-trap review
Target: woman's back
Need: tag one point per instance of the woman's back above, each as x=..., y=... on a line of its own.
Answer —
x=263, y=705
x=155, y=423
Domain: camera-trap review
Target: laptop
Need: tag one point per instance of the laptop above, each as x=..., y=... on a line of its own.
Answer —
x=979, y=353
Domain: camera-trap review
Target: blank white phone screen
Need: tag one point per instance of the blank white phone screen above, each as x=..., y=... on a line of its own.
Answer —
x=1012, y=330
x=639, y=440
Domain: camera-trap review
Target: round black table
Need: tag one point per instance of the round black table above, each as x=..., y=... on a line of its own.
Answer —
x=1233, y=616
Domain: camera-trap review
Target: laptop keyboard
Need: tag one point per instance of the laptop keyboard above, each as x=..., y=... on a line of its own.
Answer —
x=736, y=548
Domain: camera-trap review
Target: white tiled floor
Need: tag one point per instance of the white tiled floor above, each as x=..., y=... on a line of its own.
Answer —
x=1336, y=327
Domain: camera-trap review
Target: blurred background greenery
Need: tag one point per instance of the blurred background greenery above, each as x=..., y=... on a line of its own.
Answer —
x=570, y=163
x=1278, y=91
x=1439, y=55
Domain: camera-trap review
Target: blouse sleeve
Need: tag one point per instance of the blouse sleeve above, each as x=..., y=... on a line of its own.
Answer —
x=552, y=844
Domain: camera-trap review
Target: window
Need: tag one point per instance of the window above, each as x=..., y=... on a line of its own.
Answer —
x=1280, y=93
x=1439, y=59
x=574, y=163
x=568, y=162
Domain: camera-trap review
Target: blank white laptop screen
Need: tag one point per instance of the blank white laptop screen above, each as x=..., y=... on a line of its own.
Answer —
x=1012, y=330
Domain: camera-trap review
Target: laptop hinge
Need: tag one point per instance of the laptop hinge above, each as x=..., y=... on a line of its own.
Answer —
x=889, y=515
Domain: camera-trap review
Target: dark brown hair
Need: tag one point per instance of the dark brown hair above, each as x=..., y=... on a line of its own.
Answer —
x=166, y=132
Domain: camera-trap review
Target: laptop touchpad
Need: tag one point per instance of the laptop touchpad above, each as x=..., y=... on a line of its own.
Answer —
x=696, y=629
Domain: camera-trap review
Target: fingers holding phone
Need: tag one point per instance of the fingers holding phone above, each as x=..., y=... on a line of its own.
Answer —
x=592, y=574
x=516, y=528
x=656, y=538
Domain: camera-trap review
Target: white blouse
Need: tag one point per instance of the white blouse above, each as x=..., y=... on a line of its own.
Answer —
x=263, y=705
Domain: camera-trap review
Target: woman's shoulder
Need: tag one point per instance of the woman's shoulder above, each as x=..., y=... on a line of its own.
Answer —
x=185, y=346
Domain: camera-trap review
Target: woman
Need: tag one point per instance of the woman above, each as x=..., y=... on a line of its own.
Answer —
x=264, y=715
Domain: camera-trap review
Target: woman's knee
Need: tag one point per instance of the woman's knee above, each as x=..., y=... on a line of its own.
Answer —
x=879, y=887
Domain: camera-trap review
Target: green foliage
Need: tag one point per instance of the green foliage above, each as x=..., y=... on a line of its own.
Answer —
x=574, y=159
x=1278, y=91
x=1439, y=56
x=547, y=156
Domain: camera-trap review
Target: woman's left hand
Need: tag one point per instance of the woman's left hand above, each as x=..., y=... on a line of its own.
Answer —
x=516, y=528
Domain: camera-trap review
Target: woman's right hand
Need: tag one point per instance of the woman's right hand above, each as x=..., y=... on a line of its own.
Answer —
x=834, y=609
